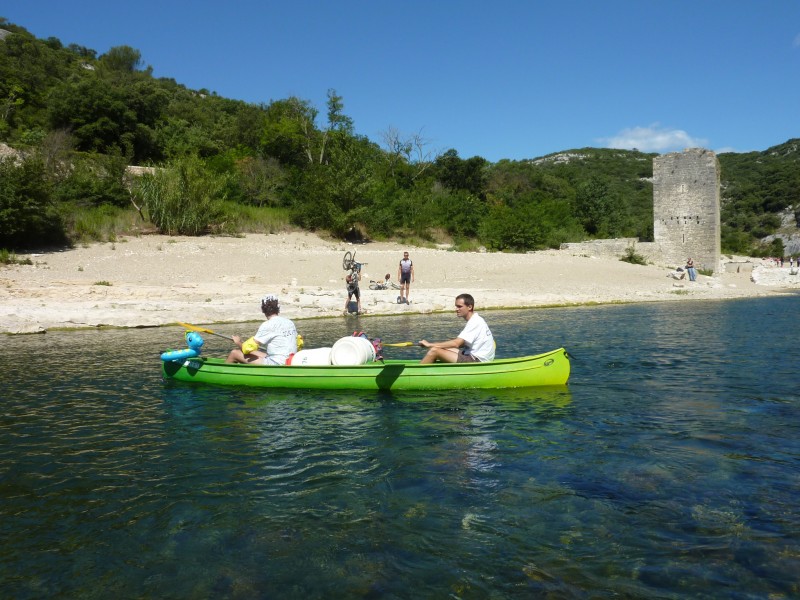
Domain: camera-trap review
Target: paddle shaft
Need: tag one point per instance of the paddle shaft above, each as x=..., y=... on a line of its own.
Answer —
x=204, y=330
x=208, y=331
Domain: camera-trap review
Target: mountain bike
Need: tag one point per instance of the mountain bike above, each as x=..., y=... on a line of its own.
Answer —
x=349, y=262
x=383, y=285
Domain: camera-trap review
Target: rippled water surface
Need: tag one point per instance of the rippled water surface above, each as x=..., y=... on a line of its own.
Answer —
x=669, y=467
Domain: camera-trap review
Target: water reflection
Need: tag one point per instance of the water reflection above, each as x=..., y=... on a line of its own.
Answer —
x=667, y=468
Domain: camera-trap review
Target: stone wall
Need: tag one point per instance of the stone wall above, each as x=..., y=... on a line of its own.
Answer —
x=738, y=266
x=686, y=207
x=616, y=248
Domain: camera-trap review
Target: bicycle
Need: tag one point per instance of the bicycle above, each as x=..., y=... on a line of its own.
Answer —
x=349, y=263
x=383, y=285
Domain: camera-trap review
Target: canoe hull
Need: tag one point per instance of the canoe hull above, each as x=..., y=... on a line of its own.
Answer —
x=548, y=369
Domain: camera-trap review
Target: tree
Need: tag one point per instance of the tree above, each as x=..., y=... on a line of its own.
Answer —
x=288, y=131
x=335, y=194
x=261, y=180
x=458, y=212
x=507, y=229
x=11, y=102
x=121, y=59
x=96, y=113
x=28, y=217
x=93, y=181
x=338, y=122
x=82, y=51
x=411, y=150
x=457, y=174
x=597, y=208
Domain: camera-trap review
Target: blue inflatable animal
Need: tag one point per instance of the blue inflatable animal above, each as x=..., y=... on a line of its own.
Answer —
x=195, y=343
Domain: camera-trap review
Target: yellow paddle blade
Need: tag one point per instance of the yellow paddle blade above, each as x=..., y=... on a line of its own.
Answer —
x=400, y=344
x=195, y=328
x=203, y=330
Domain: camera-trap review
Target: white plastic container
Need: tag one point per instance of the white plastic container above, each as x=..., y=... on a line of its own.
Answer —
x=351, y=351
x=315, y=357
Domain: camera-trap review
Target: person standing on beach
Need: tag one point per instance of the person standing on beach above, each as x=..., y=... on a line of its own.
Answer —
x=405, y=273
x=278, y=335
x=690, y=269
x=353, y=290
x=475, y=343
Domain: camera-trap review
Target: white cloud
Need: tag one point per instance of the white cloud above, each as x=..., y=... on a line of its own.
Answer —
x=653, y=139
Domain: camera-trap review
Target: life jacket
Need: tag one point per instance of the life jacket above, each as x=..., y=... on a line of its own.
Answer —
x=376, y=343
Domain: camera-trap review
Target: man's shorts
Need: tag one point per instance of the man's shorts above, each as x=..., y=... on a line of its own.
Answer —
x=269, y=360
x=466, y=358
x=405, y=278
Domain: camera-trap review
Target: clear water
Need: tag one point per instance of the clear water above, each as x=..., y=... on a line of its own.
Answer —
x=669, y=468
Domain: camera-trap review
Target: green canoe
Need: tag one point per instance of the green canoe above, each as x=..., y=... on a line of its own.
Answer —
x=550, y=368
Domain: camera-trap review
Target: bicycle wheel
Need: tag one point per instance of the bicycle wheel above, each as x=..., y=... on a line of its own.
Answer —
x=347, y=261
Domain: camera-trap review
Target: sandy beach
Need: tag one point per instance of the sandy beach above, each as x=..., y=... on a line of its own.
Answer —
x=158, y=280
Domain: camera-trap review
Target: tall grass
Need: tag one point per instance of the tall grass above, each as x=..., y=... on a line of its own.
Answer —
x=107, y=223
x=103, y=223
x=257, y=219
x=184, y=198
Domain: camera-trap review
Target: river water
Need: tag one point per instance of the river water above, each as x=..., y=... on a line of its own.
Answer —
x=669, y=467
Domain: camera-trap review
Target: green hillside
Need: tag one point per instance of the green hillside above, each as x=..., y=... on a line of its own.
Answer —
x=757, y=187
x=227, y=166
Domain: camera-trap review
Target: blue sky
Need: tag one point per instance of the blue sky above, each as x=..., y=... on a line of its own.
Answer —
x=503, y=79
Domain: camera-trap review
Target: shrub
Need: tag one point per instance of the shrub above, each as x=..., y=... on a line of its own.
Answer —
x=258, y=219
x=94, y=180
x=100, y=224
x=184, y=198
x=631, y=256
x=9, y=258
x=28, y=217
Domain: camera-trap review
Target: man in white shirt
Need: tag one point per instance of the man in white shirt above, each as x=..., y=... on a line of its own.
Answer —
x=405, y=274
x=474, y=344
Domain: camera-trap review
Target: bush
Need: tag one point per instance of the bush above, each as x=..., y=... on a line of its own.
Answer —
x=28, y=217
x=9, y=258
x=184, y=198
x=100, y=224
x=631, y=256
x=254, y=219
x=502, y=229
x=94, y=180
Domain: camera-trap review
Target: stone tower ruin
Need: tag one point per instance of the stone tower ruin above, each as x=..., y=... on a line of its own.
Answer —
x=686, y=210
